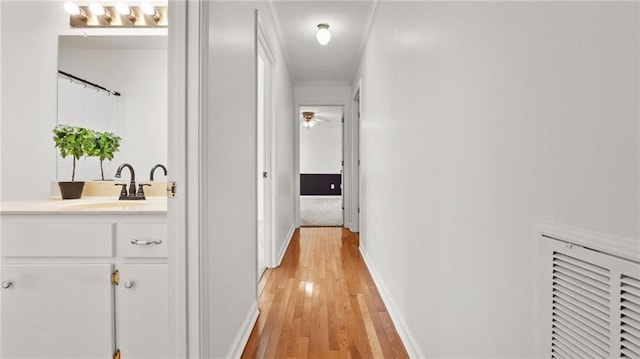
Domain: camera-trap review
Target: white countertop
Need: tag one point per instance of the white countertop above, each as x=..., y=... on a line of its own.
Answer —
x=85, y=205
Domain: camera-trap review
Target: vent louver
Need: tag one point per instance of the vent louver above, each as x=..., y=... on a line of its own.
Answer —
x=629, y=317
x=581, y=309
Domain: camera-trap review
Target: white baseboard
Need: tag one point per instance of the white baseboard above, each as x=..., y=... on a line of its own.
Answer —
x=283, y=250
x=398, y=321
x=243, y=334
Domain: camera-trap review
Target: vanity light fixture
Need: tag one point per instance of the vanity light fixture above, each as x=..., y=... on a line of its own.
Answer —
x=99, y=10
x=323, y=35
x=118, y=15
x=74, y=10
x=150, y=10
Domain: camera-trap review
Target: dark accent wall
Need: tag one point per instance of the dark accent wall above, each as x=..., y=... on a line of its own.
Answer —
x=319, y=184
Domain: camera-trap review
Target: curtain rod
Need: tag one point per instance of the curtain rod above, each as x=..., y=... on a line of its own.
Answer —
x=111, y=92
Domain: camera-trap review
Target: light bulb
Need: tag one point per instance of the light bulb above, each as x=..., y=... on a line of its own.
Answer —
x=323, y=35
x=97, y=9
x=123, y=9
x=72, y=8
x=148, y=9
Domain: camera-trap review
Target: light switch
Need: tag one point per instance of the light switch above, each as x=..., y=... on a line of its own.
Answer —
x=333, y=186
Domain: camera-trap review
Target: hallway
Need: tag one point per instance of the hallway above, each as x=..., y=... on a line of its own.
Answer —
x=322, y=303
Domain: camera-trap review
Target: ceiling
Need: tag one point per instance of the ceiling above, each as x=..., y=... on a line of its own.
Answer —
x=337, y=61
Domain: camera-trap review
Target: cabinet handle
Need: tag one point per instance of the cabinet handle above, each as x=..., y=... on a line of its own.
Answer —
x=6, y=284
x=142, y=242
x=128, y=284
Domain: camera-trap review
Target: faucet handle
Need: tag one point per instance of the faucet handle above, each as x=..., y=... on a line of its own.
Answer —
x=123, y=192
x=141, y=189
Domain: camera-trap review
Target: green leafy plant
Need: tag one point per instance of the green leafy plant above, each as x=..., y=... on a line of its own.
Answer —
x=75, y=142
x=106, y=145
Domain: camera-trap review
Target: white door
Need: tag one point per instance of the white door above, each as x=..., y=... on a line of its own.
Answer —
x=263, y=174
x=263, y=145
x=142, y=311
x=57, y=311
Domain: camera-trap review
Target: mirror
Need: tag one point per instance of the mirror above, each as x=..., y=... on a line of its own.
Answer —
x=116, y=84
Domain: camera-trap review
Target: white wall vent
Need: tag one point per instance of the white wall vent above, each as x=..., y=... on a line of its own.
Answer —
x=581, y=314
x=630, y=317
x=595, y=303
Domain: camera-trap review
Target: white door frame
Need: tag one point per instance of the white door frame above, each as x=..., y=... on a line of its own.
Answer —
x=188, y=45
x=263, y=45
x=355, y=157
x=176, y=207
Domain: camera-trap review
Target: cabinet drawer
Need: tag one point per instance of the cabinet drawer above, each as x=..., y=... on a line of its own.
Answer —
x=57, y=239
x=142, y=240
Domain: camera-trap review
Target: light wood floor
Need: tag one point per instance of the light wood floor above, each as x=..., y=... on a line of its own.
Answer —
x=322, y=303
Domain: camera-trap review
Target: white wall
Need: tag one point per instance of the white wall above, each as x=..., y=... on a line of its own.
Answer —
x=232, y=160
x=29, y=79
x=140, y=75
x=321, y=148
x=283, y=137
x=478, y=120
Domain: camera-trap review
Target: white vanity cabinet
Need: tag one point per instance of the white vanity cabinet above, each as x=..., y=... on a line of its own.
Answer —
x=142, y=314
x=56, y=311
x=84, y=286
x=142, y=295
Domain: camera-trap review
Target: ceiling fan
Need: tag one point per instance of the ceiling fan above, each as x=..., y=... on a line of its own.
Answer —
x=309, y=119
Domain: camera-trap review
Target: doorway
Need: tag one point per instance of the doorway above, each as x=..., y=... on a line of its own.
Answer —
x=321, y=166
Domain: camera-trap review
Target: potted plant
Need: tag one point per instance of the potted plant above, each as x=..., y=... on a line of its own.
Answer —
x=75, y=142
x=106, y=145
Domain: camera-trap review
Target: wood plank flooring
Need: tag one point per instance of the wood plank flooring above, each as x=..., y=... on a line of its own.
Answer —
x=322, y=303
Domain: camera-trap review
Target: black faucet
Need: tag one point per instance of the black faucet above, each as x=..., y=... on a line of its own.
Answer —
x=132, y=184
x=155, y=168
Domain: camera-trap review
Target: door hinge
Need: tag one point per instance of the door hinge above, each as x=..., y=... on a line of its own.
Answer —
x=343, y=163
x=265, y=175
x=171, y=189
x=115, y=277
x=117, y=355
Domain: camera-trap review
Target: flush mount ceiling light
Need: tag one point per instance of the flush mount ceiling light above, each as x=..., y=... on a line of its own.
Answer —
x=323, y=35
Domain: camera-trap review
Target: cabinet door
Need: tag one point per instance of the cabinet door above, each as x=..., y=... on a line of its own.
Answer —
x=56, y=311
x=142, y=311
